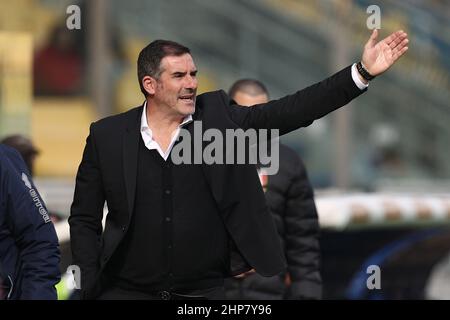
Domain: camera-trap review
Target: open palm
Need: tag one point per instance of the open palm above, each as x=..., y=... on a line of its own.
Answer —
x=380, y=56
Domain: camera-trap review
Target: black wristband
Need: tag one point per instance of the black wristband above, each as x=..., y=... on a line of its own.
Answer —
x=363, y=72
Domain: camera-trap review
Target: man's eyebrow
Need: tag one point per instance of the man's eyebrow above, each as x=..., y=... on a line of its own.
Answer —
x=183, y=73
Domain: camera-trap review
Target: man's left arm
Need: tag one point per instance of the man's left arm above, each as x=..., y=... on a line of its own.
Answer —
x=305, y=106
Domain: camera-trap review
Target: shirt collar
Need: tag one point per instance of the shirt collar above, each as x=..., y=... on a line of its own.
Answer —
x=144, y=123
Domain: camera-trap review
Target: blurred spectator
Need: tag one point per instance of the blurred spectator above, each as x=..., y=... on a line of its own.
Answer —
x=64, y=65
x=58, y=67
x=29, y=152
x=387, y=159
x=25, y=147
x=290, y=198
x=29, y=251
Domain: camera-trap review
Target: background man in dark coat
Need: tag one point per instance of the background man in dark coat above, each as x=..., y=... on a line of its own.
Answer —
x=290, y=199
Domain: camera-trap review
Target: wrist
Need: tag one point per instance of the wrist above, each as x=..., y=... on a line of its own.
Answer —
x=360, y=77
x=363, y=73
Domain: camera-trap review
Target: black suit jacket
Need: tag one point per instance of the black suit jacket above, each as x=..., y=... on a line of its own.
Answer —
x=108, y=172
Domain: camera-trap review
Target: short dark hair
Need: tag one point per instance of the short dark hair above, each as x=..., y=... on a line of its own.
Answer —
x=149, y=61
x=252, y=87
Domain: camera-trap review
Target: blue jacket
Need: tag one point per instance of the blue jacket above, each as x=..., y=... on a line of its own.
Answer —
x=29, y=249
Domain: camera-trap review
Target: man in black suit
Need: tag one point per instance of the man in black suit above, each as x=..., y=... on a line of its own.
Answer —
x=290, y=199
x=175, y=231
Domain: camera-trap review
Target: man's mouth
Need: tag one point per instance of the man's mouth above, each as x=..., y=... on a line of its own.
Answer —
x=188, y=97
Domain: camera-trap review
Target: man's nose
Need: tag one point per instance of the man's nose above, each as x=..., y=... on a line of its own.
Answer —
x=191, y=82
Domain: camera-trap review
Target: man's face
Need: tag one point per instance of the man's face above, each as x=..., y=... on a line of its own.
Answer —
x=176, y=87
x=247, y=100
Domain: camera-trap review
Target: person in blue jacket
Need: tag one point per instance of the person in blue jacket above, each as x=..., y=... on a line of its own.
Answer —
x=29, y=249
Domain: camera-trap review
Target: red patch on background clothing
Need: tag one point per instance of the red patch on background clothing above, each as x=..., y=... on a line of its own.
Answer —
x=263, y=178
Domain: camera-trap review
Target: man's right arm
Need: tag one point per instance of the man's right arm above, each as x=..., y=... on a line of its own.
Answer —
x=305, y=106
x=301, y=108
x=86, y=215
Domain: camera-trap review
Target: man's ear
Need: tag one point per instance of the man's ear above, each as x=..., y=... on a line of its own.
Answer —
x=149, y=84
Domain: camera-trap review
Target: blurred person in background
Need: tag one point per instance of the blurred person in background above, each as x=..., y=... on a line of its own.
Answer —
x=29, y=249
x=290, y=199
x=25, y=147
x=59, y=66
x=29, y=153
x=176, y=231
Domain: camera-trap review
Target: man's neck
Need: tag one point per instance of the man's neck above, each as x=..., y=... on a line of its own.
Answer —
x=158, y=119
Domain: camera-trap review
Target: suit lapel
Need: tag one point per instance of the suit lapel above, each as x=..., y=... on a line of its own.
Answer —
x=130, y=155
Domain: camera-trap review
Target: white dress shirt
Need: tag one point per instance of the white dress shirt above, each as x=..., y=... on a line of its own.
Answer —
x=147, y=134
x=361, y=85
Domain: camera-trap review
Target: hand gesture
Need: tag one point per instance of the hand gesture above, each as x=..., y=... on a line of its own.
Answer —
x=380, y=56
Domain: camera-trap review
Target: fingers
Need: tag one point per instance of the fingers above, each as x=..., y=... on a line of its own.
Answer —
x=392, y=36
x=400, y=46
x=396, y=36
x=398, y=40
x=399, y=53
x=373, y=38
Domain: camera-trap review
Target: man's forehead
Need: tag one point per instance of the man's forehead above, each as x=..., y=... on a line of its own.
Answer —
x=175, y=62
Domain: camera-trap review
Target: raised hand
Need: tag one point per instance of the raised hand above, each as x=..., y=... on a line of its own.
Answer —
x=380, y=56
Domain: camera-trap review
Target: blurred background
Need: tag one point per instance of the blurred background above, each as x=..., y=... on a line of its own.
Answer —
x=380, y=166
